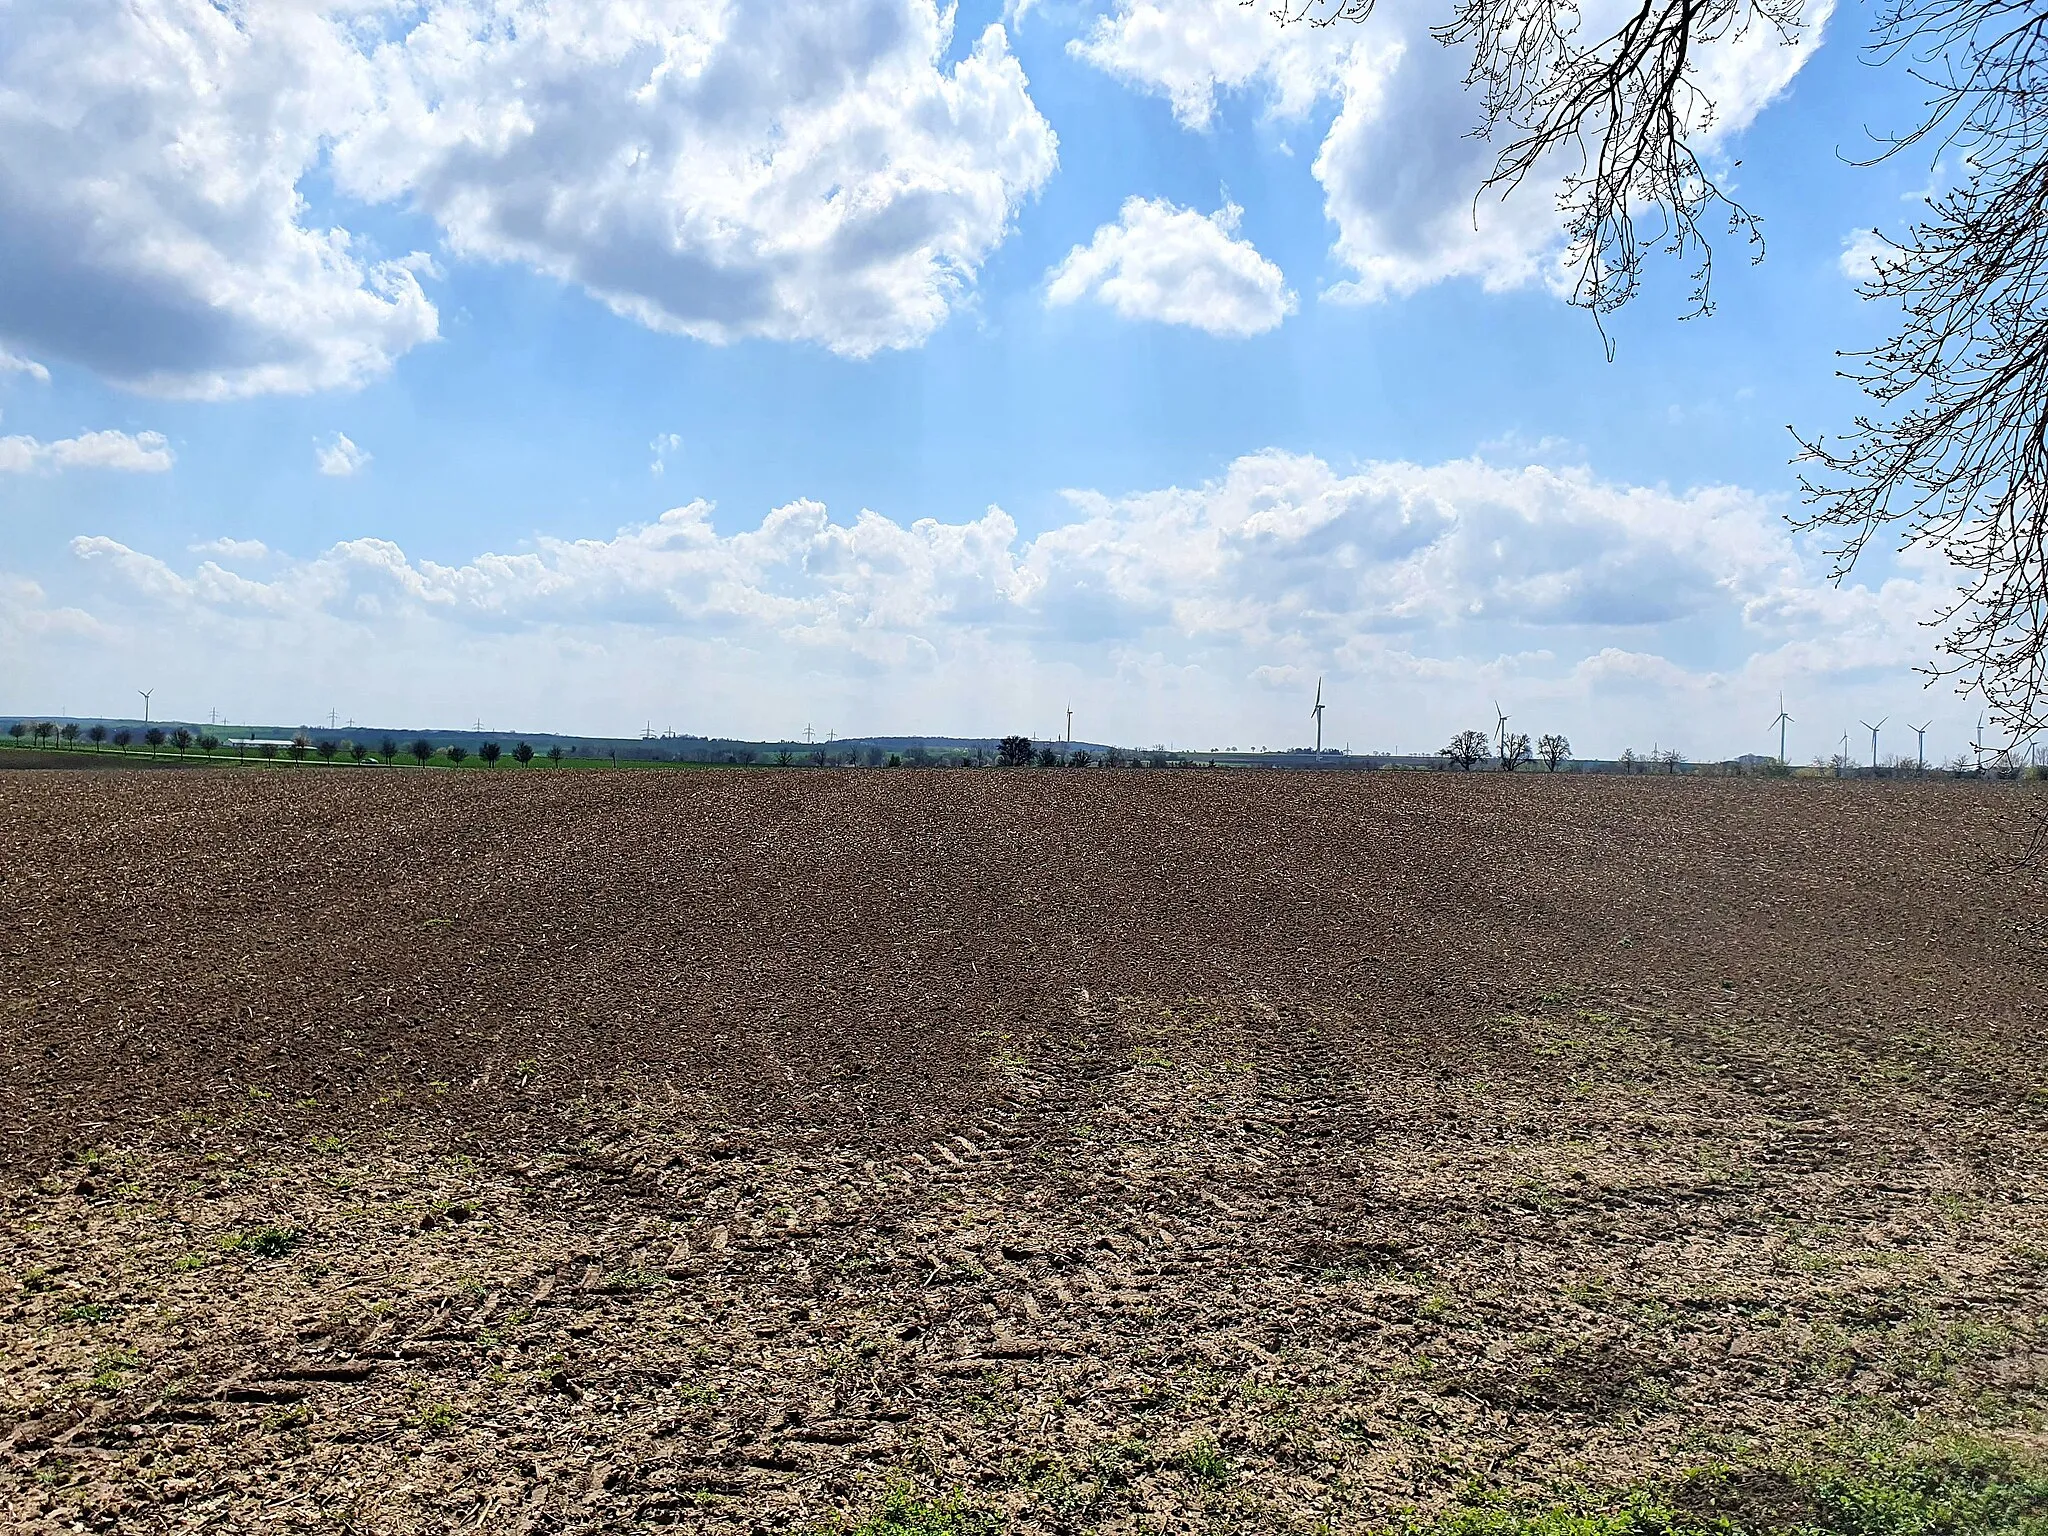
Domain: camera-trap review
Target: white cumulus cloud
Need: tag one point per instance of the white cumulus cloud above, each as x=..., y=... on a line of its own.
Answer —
x=339, y=456
x=1176, y=266
x=144, y=453
x=1398, y=165
x=800, y=172
x=825, y=174
x=152, y=225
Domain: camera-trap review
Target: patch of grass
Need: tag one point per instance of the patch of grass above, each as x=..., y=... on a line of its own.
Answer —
x=906, y=1512
x=109, y=1374
x=1957, y=1487
x=437, y=1419
x=1204, y=1462
x=89, y=1312
x=264, y=1242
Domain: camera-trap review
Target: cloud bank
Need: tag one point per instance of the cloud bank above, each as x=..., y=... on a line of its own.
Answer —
x=1182, y=613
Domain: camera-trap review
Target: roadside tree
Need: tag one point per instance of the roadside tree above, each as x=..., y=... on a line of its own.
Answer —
x=182, y=740
x=1467, y=750
x=457, y=753
x=1554, y=750
x=555, y=754
x=121, y=739
x=153, y=737
x=489, y=753
x=357, y=751
x=99, y=736
x=422, y=749
x=69, y=734
x=327, y=747
x=209, y=743
x=1014, y=752
x=522, y=754
x=1514, y=750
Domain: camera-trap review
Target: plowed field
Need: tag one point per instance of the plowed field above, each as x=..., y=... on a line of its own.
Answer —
x=412, y=1152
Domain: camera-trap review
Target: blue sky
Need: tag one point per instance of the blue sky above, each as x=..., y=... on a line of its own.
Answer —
x=733, y=368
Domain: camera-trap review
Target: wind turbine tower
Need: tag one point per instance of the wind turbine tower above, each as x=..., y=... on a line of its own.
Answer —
x=1873, y=729
x=145, y=692
x=1781, y=722
x=1317, y=712
x=1921, y=732
x=1500, y=730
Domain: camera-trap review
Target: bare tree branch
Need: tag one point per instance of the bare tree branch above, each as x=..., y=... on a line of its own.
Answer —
x=1955, y=459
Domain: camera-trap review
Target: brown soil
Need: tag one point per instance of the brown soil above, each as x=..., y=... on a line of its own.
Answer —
x=1176, y=1152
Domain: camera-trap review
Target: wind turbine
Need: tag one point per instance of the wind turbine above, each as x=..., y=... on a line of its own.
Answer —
x=1781, y=722
x=1873, y=729
x=145, y=692
x=1317, y=712
x=1500, y=730
x=1921, y=732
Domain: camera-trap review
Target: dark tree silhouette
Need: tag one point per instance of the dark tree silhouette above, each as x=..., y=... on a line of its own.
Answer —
x=489, y=753
x=298, y=747
x=1514, y=750
x=422, y=749
x=555, y=754
x=68, y=734
x=388, y=750
x=457, y=753
x=327, y=746
x=1467, y=750
x=1014, y=752
x=18, y=730
x=209, y=743
x=153, y=737
x=121, y=739
x=41, y=731
x=98, y=734
x=267, y=750
x=182, y=740
x=1554, y=750
x=357, y=751
x=522, y=754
